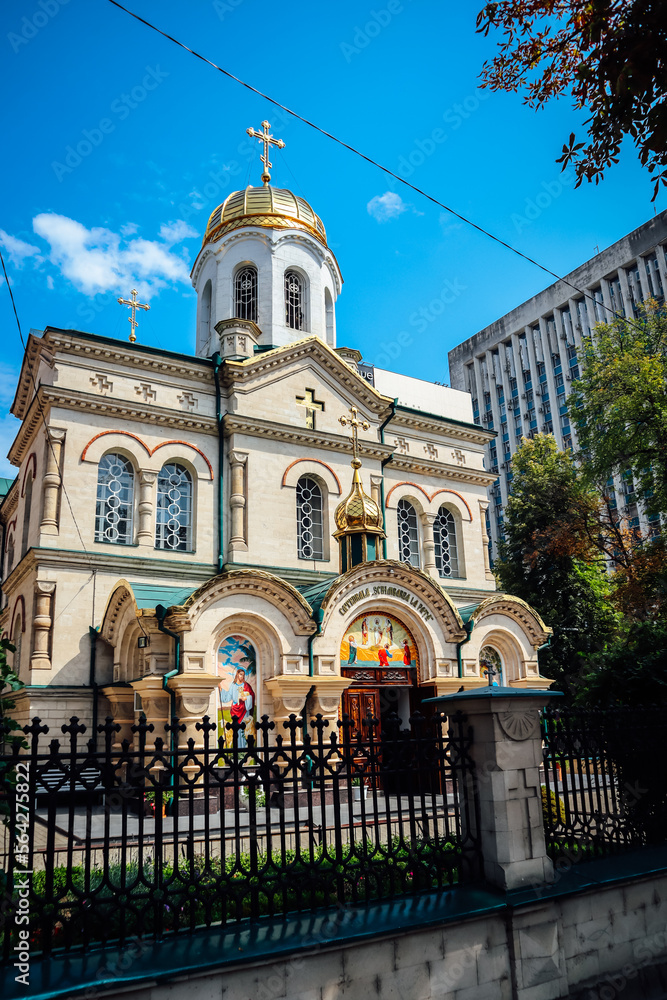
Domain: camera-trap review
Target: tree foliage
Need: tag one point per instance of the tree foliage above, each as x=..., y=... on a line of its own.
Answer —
x=619, y=404
x=609, y=55
x=549, y=561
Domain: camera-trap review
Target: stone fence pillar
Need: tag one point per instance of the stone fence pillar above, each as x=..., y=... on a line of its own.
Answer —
x=507, y=752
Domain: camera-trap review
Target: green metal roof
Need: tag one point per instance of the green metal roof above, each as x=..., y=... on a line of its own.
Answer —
x=467, y=611
x=316, y=592
x=5, y=486
x=149, y=595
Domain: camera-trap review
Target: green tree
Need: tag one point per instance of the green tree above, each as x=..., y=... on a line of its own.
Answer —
x=610, y=56
x=619, y=404
x=549, y=560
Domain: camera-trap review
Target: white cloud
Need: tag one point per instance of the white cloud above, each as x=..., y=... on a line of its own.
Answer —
x=18, y=250
x=49, y=282
x=175, y=232
x=99, y=260
x=386, y=206
x=129, y=229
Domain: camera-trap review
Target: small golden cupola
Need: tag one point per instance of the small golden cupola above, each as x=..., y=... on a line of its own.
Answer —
x=358, y=517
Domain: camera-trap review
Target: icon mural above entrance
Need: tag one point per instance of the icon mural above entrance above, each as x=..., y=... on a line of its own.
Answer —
x=378, y=640
x=237, y=669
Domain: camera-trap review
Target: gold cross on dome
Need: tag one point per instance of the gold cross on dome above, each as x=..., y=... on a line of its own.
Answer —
x=354, y=422
x=312, y=406
x=268, y=141
x=134, y=305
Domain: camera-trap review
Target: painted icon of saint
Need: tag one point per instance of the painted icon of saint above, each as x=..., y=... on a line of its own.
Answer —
x=352, y=655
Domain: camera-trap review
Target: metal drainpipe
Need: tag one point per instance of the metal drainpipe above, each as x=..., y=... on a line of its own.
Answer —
x=468, y=626
x=217, y=363
x=382, y=465
x=92, y=681
x=161, y=614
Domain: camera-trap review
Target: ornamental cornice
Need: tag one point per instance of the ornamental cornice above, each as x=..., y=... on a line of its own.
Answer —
x=142, y=567
x=25, y=389
x=519, y=611
x=423, y=422
x=393, y=572
x=302, y=436
x=10, y=503
x=269, y=361
x=257, y=583
x=405, y=463
x=199, y=369
x=72, y=399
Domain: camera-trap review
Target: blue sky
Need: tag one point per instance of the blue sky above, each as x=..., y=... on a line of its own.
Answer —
x=162, y=138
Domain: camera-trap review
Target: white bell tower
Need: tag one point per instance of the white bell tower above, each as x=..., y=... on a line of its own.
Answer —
x=265, y=260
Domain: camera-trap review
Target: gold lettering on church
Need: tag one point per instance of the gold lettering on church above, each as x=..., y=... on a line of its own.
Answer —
x=384, y=590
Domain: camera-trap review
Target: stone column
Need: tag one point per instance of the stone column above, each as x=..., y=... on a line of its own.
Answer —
x=41, y=623
x=289, y=693
x=52, y=482
x=146, y=532
x=376, y=491
x=507, y=752
x=154, y=705
x=237, y=501
x=121, y=709
x=193, y=699
x=328, y=693
x=483, y=507
x=428, y=545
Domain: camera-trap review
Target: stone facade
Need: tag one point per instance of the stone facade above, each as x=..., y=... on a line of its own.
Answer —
x=245, y=427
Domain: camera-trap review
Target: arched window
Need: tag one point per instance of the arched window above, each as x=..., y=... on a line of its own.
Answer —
x=27, y=504
x=489, y=655
x=294, y=304
x=205, y=314
x=444, y=536
x=245, y=294
x=310, y=536
x=173, y=522
x=329, y=316
x=10, y=556
x=16, y=642
x=115, y=500
x=408, y=533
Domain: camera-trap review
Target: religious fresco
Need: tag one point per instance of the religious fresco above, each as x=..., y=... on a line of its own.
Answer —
x=236, y=692
x=379, y=640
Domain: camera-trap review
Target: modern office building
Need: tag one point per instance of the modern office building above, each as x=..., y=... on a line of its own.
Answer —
x=520, y=369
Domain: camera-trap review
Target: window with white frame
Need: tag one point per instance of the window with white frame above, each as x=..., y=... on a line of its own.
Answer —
x=245, y=293
x=446, y=549
x=115, y=500
x=173, y=516
x=309, y=517
x=294, y=301
x=408, y=533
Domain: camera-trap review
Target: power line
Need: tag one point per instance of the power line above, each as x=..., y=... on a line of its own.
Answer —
x=40, y=407
x=357, y=152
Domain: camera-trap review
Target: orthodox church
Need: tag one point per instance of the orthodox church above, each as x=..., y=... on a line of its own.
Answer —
x=266, y=527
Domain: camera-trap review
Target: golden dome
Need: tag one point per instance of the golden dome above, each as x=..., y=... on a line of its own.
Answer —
x=273, y=208
x=358, y=512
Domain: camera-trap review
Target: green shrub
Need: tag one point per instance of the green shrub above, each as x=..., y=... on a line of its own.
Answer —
x=553, y=811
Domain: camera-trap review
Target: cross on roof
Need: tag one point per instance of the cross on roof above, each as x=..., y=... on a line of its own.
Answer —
x=268, y=141
x=312, y=406
x=134, y=305
x=354, y=422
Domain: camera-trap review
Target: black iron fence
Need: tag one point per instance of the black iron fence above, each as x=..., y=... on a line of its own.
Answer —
x=151, y=838
x=605, y=782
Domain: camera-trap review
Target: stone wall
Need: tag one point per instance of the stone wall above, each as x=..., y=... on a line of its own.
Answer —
x=601, y=944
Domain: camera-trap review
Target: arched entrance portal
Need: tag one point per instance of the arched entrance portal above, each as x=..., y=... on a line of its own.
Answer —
x=379, y=655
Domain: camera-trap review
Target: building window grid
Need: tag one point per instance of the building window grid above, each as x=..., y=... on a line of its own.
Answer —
x=294, y=305
x=654, y=277
x=408, y=533
x=173, y=520
x=309, y=510
x=444, y=537
x=115, y=500
x=245, y=294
